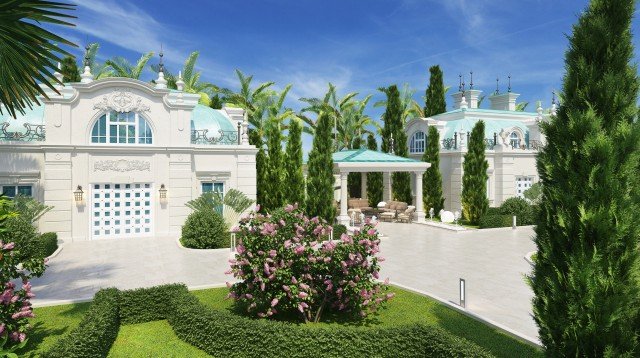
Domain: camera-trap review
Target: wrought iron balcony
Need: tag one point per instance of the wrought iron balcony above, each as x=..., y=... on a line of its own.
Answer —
x=535, y=144
x=34, y=133
x=202, y=136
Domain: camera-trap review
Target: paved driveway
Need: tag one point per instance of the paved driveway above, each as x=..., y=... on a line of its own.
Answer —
x=491, y=262
x=82, y=268
x=418, y=256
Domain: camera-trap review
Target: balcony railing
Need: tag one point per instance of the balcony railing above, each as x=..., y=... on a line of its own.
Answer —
x=452, y=143
x=34, y=133
x=202, y=136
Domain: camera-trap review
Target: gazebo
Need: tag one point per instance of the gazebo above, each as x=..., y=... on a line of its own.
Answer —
x=369, y=161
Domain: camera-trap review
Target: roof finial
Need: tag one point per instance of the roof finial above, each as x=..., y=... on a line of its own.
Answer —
x=471, y=83
x=161, y=83
x=463, y=102
x=554, y=107
x=180, y=82
x=460, y=82
x=59, y=77
x=86, y=76
x=497, y=85
x=509, y=88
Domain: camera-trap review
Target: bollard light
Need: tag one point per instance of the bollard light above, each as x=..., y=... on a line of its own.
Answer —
x=514, y=224
x=463, y=297
x=233, y=242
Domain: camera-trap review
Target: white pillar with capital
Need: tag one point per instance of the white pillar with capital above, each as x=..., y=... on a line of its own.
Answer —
x=419, y=204
x=343, y=218
x=363, y=186
x=386, y=185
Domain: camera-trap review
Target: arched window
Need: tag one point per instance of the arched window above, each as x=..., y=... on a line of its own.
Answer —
x=121, y=128
x=417, y=143
x=514, y=140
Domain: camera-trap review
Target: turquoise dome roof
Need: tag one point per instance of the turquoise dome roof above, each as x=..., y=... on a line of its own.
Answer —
x=214, y=120
x=490, y=126
x=34, y=115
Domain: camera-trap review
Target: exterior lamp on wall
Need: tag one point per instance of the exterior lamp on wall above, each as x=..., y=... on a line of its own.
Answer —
x=163, y=193
x=77, y=194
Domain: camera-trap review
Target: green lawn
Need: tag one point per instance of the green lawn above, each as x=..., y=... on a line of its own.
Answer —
x=154, y=339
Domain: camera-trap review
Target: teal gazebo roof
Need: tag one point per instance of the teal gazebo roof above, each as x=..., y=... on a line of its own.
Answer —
x=368, y=156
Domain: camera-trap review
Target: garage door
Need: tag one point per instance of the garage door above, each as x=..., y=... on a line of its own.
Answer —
x=121, y=210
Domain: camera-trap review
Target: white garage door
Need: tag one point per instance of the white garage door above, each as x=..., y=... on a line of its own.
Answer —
x=522, y=184
x=121, y=210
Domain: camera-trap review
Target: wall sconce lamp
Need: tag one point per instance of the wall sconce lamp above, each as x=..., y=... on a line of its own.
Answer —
x=77, y=194
x=163, y=193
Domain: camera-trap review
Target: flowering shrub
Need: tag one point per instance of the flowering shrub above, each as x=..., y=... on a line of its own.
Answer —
x=288, y=263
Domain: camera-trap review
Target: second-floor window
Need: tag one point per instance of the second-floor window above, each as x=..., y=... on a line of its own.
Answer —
x=417, y=143
x=514, y=140
x=121, y=128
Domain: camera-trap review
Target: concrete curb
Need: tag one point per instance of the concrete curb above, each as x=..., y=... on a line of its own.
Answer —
x=529, y=340
x=54, y=254
x=440, y=225
x=529, y=257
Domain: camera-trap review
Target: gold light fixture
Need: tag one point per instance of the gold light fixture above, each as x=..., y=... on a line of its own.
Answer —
x=163, y=193
x=77, y=194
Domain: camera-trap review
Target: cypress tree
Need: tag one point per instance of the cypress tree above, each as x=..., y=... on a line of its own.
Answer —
x=274, y=198
x=294, y=176
x=320, y=179
x=585, y=275
x=69, y=70
x=261, y=167
x=374, y=180
x=355, y=179
x=435, y=103
x=394, y=126
x=474, y=178
x=216, y=102
x=432, y=179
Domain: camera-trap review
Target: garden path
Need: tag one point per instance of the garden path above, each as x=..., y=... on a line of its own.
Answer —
x=491, y=261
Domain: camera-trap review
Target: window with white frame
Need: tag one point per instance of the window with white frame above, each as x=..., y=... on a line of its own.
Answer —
x=514, y=139
x=417, y=143
x=121, y=128
x=13, y=190
x=215, y=187
x=522, y=184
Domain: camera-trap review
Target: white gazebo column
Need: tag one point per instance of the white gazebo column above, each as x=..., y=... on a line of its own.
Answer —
x=419, y=204
x=343, y=218
x=386, y=186
x=363, y=186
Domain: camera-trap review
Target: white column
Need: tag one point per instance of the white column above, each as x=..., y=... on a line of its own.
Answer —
x=363, y=186
x=343, y=218
x=419, y=204
x=386, y=185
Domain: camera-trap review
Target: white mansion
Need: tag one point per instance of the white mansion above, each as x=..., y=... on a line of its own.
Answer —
x=119, y=157
x=512, y=140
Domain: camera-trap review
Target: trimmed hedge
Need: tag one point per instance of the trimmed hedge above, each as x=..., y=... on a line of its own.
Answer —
x=95, y=335
x=21, y=232
x=225, y=334
x=48, y=243
x=149, y=304
x=520, y=208
x=489, y=221
x=205, y=229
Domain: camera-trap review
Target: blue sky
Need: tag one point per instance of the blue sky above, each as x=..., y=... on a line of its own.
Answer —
x=357, y=45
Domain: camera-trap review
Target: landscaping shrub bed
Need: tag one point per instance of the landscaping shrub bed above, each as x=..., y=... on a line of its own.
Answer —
x=96, y=333
x=48, y=243
x=489, y=221
x=225, y=334
x=205, y=229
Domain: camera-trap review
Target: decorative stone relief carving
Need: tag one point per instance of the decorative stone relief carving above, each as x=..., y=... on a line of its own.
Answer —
x=121, y=165
x=121, y=100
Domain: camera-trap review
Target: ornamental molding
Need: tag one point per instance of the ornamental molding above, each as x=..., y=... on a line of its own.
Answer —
x=121, y=100
x=121, y=165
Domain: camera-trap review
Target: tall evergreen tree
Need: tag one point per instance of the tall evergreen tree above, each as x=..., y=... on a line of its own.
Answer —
x=432, y=179
x=69, y=70
x=274, y=198
x=474, y=178
x=261, y=167
x=435, y=102
x=355, y=178
x=294, y=176
x=320, y=179
x=394, y=128
x=585, y=276
x=374, y=180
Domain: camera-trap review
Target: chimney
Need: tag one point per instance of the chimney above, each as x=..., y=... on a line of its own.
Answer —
x=471, y=97
x=504, y=101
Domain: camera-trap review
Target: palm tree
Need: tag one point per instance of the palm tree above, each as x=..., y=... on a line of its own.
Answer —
x=122, y=67
x=521, y=106
x=28, y=52
x=354, y=124
x=256, y=101
x=98, y=70
x=191, y=78
x=330, y=104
